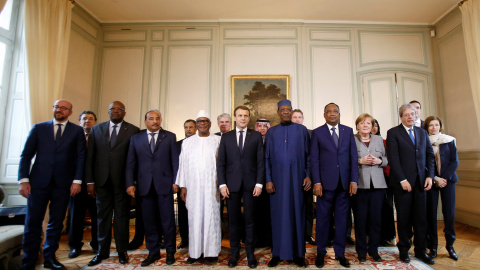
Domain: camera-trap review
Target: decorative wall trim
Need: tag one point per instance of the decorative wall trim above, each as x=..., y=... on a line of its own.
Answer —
x=330, y=35
x=129, y=35
x=467, y=217
x=87, y=27
x=423, y=63
x=190, y=35
x=157, y=35
x=262, y=33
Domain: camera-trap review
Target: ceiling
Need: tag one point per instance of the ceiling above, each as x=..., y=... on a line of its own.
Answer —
x=422, y=12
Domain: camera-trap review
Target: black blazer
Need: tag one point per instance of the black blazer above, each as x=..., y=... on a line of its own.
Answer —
x=105, y=162
x=235, y=167
x=409, y=161
x=449, y=158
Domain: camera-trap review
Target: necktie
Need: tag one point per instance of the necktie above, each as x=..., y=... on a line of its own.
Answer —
x=86, y=138
x=240, y=141
x=113, y=137
x=58, y=136
x=335, y=137
x=411, y=135
x=152, y=142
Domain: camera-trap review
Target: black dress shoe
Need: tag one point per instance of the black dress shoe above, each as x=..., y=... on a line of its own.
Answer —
x=362, y=258
x=311, y=241
x=433, y=253
x=170, y=258
x=376, y=257
x=97, y=259
x=300, y=262
x=232, y=263
x=151, y=258
x=53, y=264
x=212, y=259
x=252, y=263
x=451, y=253
x=274, y=261
x=135, y=244
x=182, y=244
x=320, y=261
x=74, y=253
x=123, y=257
x=425, y=258
x=350, y=241
x=404, y=257
x=191, y=260
x=343, y=261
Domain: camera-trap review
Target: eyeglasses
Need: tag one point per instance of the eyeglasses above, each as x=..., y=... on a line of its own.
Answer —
x=203, y=121
x=116, y=109
x=63, y=108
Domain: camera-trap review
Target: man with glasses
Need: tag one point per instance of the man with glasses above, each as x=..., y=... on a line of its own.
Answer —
x=105, y=175
x=197, y=176
x=288, y=171
x=59, y=150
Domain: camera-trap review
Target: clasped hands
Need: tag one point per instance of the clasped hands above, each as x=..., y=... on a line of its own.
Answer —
x=369, y=160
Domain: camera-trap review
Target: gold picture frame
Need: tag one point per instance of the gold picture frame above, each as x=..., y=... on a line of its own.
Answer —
x=260, y=93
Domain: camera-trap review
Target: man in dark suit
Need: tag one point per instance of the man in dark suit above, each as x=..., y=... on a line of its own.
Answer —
x=81, y=202
x=241, y=174
x=105, y=174
x=224, y=122
x=335, y=177
x=59, y=150
x=418, y=122
x=411, y=160
x=190, y=127
x=153, y=162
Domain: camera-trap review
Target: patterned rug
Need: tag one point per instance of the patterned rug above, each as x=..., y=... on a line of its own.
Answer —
x=388, y=254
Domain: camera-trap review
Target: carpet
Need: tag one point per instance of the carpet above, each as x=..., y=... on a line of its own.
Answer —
x=263, y=255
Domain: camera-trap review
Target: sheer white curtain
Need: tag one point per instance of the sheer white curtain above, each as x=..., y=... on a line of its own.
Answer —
x=47, y=35
x=471, y=33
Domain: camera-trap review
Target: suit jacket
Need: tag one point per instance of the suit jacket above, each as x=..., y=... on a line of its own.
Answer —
x=367, y=172
x=103, y=161
x=235, y=167
x=62, y=161
x=330, y=164
x=407, y=160
x=179, y=146
x=449, y=159
x=158, y=168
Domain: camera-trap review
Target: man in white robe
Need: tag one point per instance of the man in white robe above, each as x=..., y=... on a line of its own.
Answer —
x=197, y=176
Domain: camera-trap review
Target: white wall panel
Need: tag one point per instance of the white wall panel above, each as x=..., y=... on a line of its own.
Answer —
x=188, y=85
x=330, y=35
x=332, y=82
x=155, y=79
x=379, y=97
x=79, y=75
x=157, y=35
x=126, y=35
x=176, y=35
x=378, y=47
x=260, y=33
x=260, y=60
x=122, y=80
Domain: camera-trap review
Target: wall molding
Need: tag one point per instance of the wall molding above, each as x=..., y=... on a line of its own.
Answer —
x=335, y=35
x=467, y=217
x=262, y=33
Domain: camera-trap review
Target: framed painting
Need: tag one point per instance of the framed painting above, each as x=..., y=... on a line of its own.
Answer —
x=260, y=93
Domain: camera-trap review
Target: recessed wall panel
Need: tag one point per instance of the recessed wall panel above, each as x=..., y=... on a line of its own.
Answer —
x=122, y=80
x=155, y=79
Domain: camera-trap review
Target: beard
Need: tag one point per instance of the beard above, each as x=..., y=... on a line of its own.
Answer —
x=59, y=117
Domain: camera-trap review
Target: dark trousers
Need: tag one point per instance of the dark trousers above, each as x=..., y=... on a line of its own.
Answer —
x=448, y=209
x=388, y=219
x=368, y=220
x=112, y=201
x=234, y=207
x=158, y=217
x=309, y=213
x=263, y=222
x=411, y=212
x=139, y=226
x=182, y=219
x=78, y=208
x=337, y=201
x=36, y=208
x=350, y=211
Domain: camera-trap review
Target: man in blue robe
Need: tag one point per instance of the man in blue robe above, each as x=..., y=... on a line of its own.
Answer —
x=288, y=176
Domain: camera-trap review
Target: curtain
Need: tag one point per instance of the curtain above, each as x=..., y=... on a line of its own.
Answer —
x=47, y=36
x=471, y=33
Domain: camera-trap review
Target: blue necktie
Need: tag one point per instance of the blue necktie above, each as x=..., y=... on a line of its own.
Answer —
x=411, y=135
x=58, y=136
x=335, y=137
x=152, y=142
x=240, y=141
x=113, y=137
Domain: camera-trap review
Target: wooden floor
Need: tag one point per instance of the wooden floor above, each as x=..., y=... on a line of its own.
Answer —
x=467, y=247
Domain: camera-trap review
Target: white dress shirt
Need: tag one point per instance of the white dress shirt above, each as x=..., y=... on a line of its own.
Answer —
x=336, y=129
x=110, y=128
x=155, y=136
